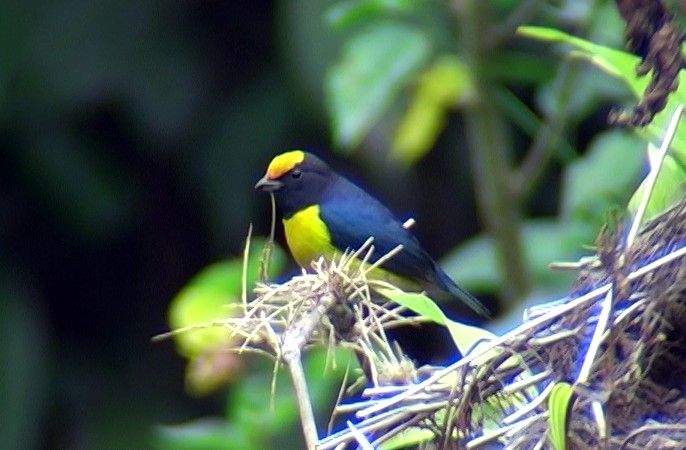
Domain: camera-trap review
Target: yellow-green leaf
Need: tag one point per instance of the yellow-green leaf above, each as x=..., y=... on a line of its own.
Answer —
x=560, y=404
x=621, y=65
x=466, y=337
x=207, y=296
x=410, y=437
x=443, y=86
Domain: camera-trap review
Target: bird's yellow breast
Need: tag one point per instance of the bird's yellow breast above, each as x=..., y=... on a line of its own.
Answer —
x=307, y=236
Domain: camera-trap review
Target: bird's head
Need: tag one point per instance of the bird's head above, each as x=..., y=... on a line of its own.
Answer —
x=297, y=179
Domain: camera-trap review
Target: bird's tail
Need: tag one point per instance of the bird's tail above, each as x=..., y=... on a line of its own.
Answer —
x=459, y=293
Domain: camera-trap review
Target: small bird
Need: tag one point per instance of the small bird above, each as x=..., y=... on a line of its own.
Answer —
x=324, y=214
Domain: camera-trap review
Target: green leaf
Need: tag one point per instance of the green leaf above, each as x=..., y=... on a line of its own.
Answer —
x=593, y=183
x=346, y=13
x=443, y=86
x=615, y=62
x=254, y=418
x=376, y=63
x=474, y=263
x=622, y=65
x=207, y=296
x=409, y=437
x=203, y=303
x=203, y=434
x=670, y=181
x=560, y=403
x=466, y=339
x=464, y=336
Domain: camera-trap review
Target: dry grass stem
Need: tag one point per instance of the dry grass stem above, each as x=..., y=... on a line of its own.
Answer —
x=619, y=339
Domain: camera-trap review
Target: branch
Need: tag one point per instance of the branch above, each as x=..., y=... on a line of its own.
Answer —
x=490, y=155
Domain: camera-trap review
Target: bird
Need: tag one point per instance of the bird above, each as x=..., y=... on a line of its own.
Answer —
x=324, y=213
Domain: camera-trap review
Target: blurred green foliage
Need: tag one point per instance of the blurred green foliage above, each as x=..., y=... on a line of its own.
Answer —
x=211, y=296
x=589, y=182
x=257, y=417
x=373, y=67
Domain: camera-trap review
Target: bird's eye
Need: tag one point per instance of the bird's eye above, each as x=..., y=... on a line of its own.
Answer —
x=296, y=174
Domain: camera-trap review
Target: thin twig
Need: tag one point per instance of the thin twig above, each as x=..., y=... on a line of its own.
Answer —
x=294, y=339
x=268, y=246
x=244, y=275
x=292, y=361
x=655, y=167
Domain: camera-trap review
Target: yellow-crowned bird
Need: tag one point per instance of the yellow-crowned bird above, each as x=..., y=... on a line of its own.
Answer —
x=326, y=214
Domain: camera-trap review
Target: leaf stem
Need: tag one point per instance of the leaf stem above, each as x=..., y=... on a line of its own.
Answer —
x=491, y=153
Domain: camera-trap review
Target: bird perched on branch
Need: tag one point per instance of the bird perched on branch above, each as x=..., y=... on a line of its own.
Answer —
x=325, y=214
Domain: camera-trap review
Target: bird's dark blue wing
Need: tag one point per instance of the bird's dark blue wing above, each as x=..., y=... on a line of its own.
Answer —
x=352, y=216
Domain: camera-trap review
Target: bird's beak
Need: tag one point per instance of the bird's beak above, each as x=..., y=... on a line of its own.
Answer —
x=266, y=184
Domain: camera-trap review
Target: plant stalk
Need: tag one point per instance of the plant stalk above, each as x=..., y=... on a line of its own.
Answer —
x=491, y=157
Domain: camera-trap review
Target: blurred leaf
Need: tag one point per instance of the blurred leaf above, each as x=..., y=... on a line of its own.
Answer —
x=206, y=299
x=376, y=62
x=207, y=296
x=265, y=418
x=604, y=26
x=202, y=434
x=251, y=399
x=474, y=264
x=560, y=403
x=349, y=12
x=444, y=85
x=465, y=337
x=408, y=438
x=593, y=183
x=513, y=66
x=253, y=408
x=211, y=369
x=589, y=86
x=615, y=62
x=670, y=181
x=254, y=418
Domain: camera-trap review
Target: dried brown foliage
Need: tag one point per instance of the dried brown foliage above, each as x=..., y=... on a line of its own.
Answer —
x=653, y=34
